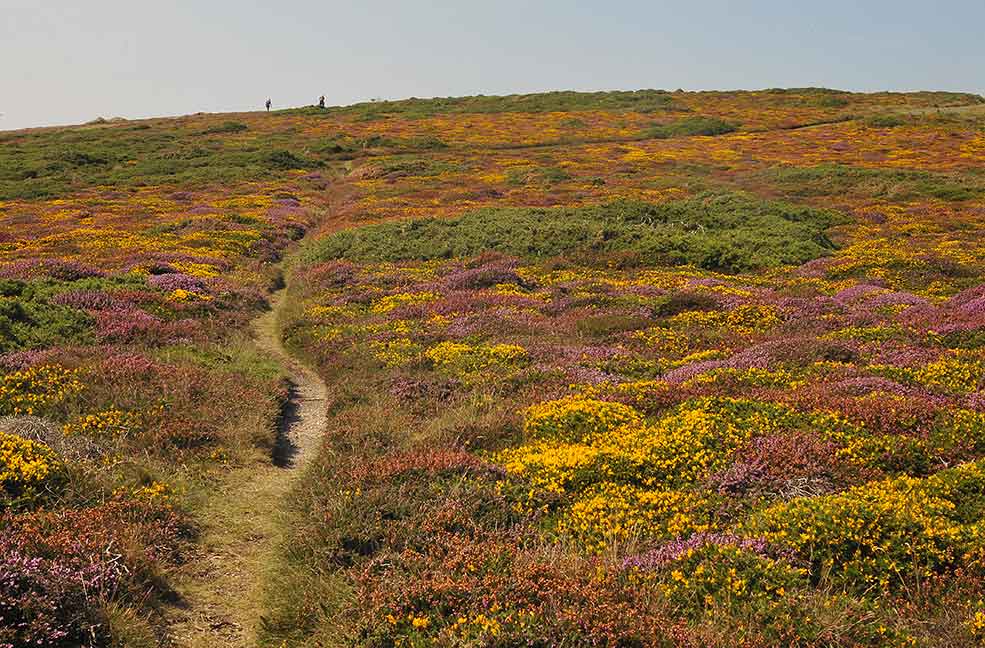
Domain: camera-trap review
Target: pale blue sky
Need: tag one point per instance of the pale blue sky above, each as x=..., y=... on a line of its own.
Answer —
x=69, y=61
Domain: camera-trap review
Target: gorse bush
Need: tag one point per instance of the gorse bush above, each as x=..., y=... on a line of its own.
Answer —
x=886, y=534
x=727, y=232
x=27, y=470
x=29, y=391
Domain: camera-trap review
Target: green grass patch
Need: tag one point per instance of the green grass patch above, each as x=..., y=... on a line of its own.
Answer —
x=55, y=163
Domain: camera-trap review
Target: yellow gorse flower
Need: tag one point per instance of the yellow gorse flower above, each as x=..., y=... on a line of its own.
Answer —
x=25, y=465
x=28, y=391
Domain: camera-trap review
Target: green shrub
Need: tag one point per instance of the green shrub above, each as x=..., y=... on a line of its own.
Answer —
x=884, y=121
x=28, y=320
x=610, y=324
x=690, y=127
x=226, y=127
x=285, y=161
x=644, y=101
x=416, y=166
x=725, y=232
x=527, y=175
x=897, y=184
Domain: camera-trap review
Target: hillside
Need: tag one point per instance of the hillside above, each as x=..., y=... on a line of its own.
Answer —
x=568, y=369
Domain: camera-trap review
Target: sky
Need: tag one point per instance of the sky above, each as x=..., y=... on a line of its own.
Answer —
x=66, y=61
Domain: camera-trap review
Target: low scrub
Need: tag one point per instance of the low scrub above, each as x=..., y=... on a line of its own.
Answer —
x=726, y=232
x=896, y=184
x=691, y=127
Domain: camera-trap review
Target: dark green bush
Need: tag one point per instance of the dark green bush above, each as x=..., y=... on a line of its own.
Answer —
x=416, y=166
x=226, y=127
x=884, y=121
x=28, y=320
x=285, y=161
x=610, y=324
x=546, y=175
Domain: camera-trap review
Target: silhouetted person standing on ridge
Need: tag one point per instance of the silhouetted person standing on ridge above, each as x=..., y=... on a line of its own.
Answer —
x=268, y=105
x=321, y=101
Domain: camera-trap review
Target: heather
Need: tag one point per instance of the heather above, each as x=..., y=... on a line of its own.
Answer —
x=737, y=457
x=717, y=389
x=128, y=387
x=604, y=369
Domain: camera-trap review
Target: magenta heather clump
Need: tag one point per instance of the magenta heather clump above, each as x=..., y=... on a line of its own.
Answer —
x=767, y=463
x=27, y=269
x=857, y=292
x=976, y=401
x=19, y=360
x=85, y=299
x=176, y=281
x=50, y=602
x=969, y=295
x=672, y=551
x=129, y=366
x=125, y=323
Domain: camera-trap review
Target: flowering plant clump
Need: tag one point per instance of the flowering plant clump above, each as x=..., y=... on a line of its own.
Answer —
x=31, y=390
x=576, y=418
x=111, y=423
x=885, y=533
x=744, y=320
x=709, y=573
x=623, y=474
x=390, y=302
x=394, y=353
x=463, y=359
x=182, y=295
x=607, y=513
x=27, y=469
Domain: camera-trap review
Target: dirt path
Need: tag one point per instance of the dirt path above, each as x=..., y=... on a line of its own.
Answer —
x=221, y=591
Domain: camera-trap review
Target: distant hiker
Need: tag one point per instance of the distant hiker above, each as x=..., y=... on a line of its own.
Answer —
x=321, y=101
x=268, y=105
